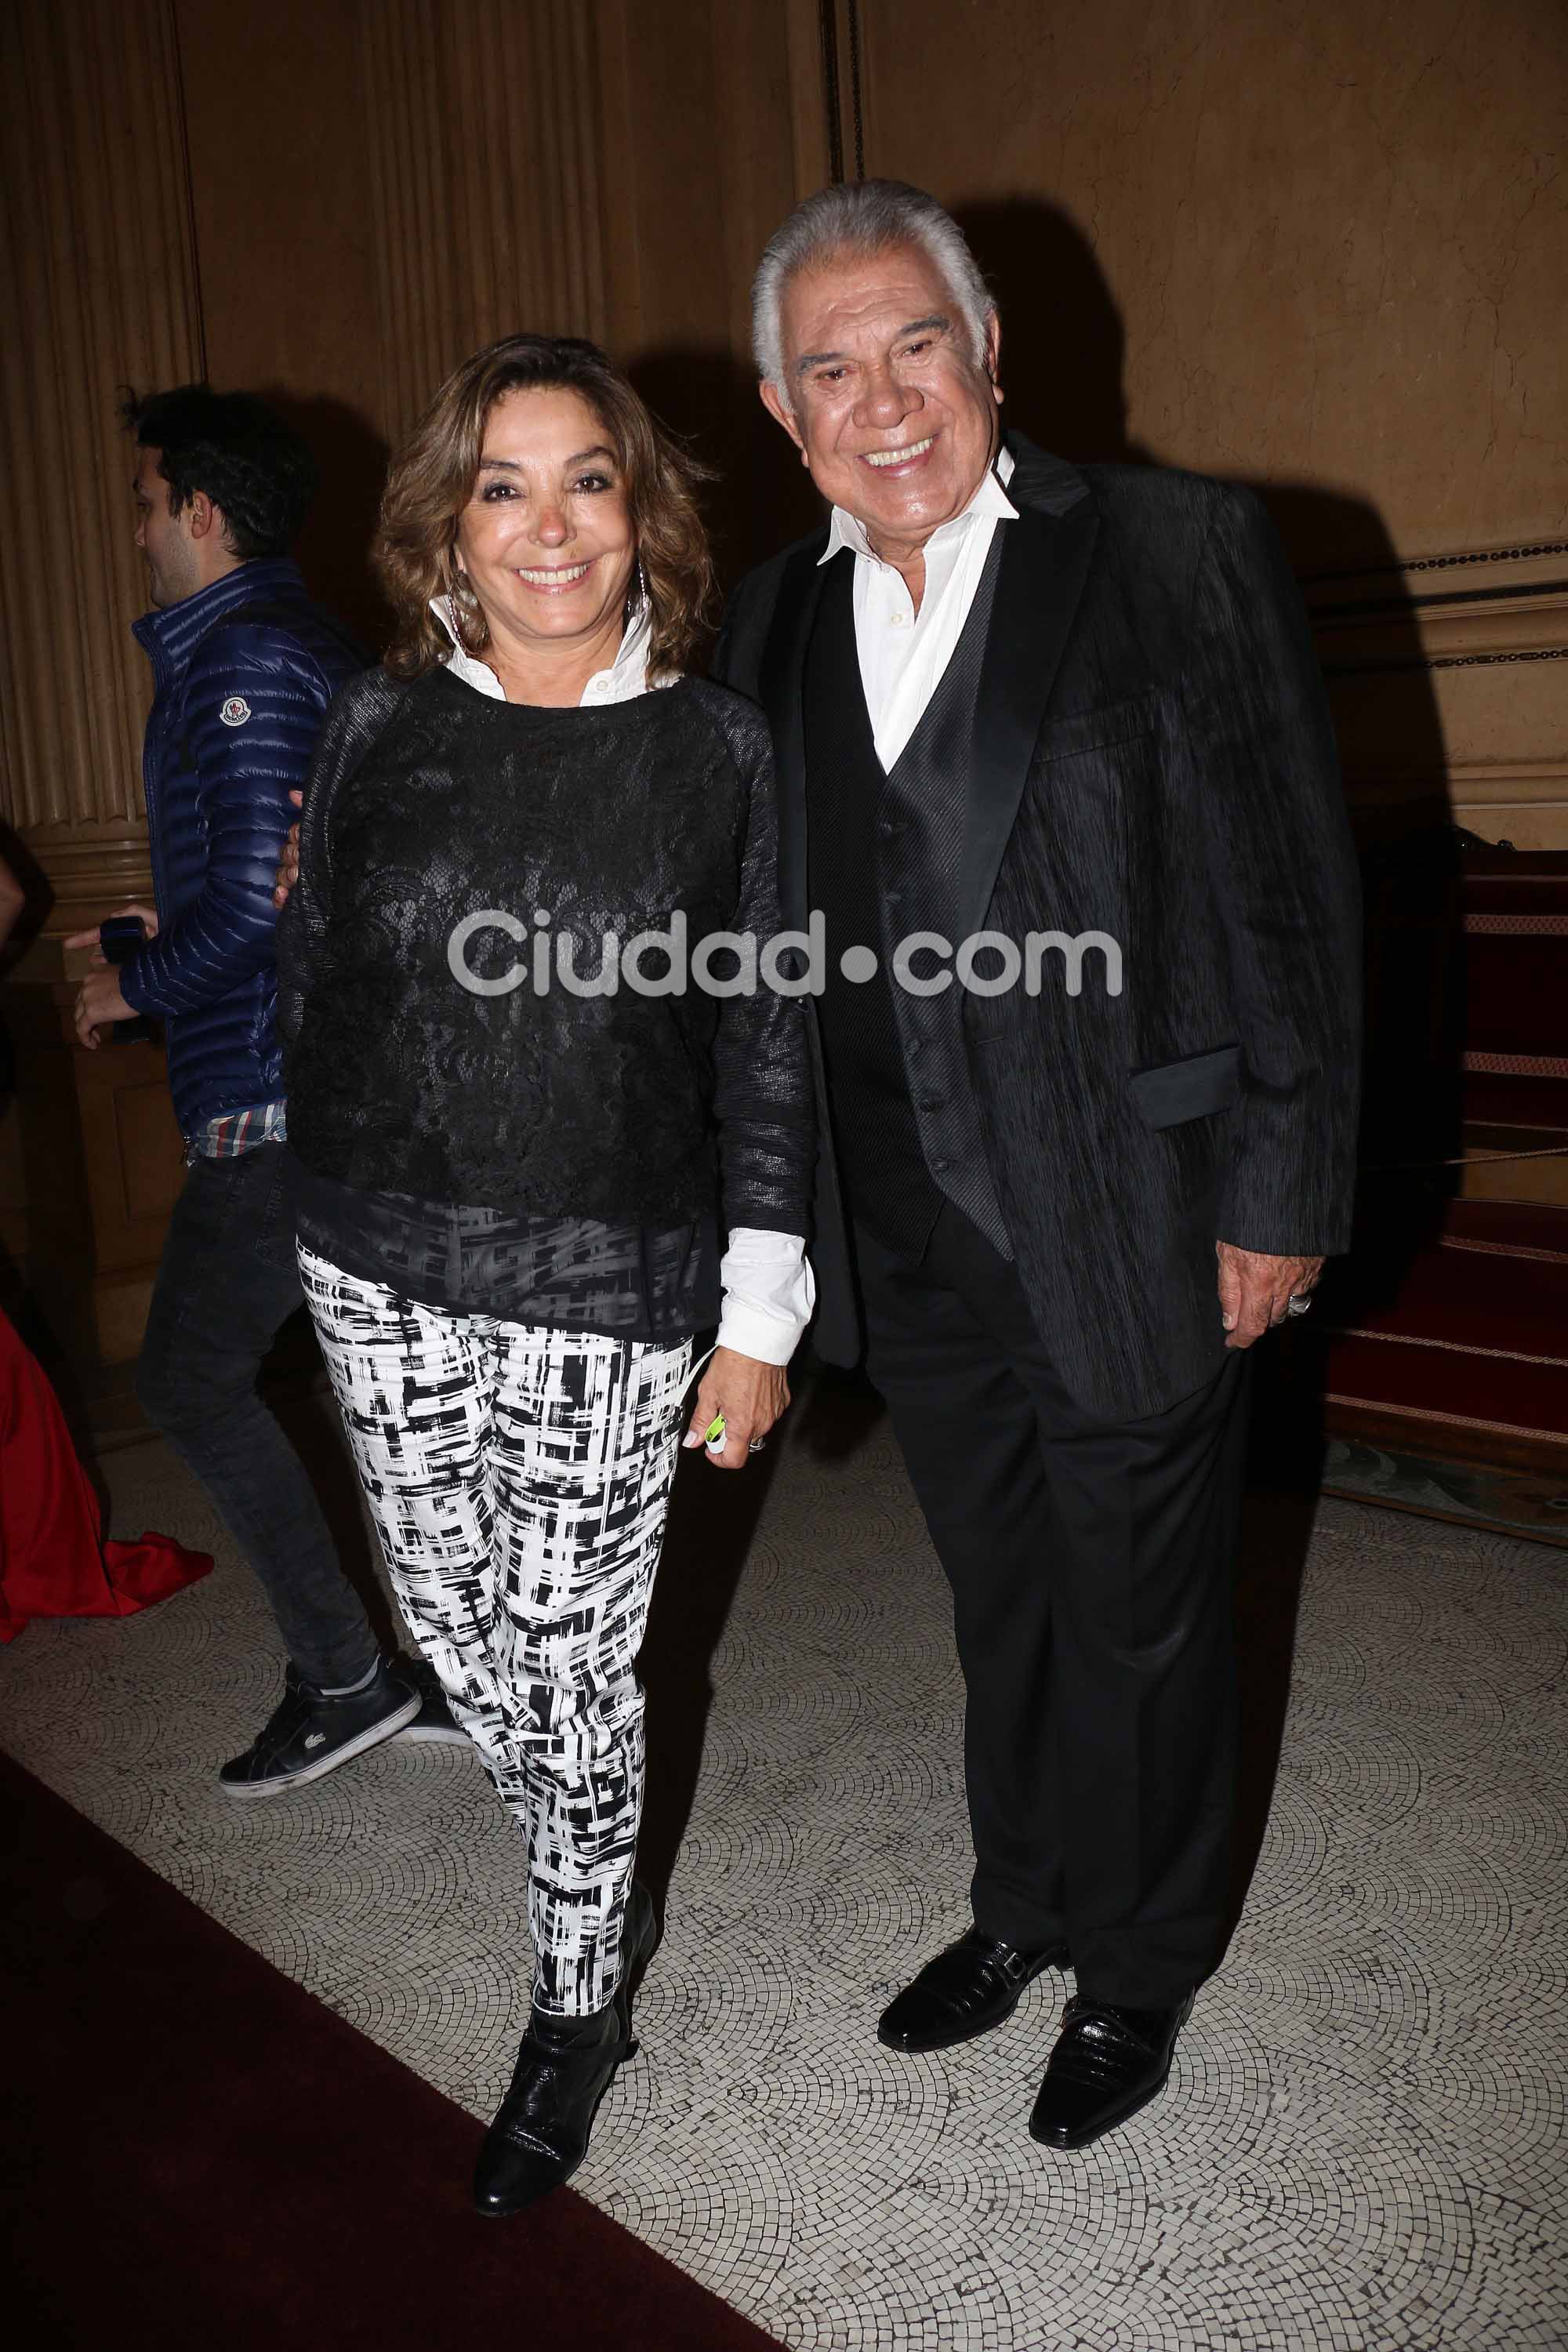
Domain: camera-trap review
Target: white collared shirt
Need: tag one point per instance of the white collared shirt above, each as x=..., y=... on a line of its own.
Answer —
x=904, y=653
x=626, y=677
x=767, y=1282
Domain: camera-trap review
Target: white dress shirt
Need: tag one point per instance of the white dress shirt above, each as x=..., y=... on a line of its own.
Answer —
x=904, y=653
x=767, y=1282
x=626, y=677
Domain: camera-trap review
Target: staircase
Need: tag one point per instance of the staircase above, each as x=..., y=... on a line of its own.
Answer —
x=1445, y=1333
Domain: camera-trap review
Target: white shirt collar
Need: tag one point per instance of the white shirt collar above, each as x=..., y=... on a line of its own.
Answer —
x=990, y=502
x=626, y=677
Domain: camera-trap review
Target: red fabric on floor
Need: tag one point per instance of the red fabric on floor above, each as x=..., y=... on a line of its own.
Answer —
x=198, y=2153
x=53, y=1561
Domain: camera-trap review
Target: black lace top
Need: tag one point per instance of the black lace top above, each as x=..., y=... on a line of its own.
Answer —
x=537, y=1135
x=574, y=1274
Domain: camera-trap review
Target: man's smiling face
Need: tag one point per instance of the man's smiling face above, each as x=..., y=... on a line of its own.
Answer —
x=888, y=402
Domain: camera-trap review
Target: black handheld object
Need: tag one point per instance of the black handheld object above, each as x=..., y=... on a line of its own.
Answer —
x=120, y=936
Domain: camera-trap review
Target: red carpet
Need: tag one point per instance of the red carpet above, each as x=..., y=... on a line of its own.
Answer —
x=197, y=2154
x=1458, y=1297
x=1444, y=1332
x=1435, y=1389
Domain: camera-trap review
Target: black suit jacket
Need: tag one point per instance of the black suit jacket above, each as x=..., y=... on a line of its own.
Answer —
x=1153, y=761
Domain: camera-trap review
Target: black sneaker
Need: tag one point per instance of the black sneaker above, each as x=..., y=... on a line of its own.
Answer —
x=308, y=1735
x=435, y=1719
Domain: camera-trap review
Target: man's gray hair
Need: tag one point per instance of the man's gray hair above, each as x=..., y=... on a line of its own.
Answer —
x=862, y=217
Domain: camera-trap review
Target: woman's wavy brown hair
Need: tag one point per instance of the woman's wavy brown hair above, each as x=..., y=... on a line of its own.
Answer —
x=432, y=479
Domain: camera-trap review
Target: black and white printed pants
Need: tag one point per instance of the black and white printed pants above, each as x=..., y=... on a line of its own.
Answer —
x=518, y=1477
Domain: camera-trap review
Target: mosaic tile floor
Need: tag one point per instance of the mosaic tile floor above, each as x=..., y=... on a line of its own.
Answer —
x=1360, y=2148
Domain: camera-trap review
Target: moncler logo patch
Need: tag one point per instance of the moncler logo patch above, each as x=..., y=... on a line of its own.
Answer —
x=234, y=711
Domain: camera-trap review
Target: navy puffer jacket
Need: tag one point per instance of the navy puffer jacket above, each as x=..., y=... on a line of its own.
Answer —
x=243, y=672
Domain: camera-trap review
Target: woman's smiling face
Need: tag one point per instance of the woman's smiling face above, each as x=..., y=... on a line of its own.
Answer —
x=546, y=538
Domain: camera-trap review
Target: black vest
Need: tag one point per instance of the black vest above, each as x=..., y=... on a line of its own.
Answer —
x=883, y=858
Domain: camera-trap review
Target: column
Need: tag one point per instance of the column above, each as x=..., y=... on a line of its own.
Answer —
x=97, y=283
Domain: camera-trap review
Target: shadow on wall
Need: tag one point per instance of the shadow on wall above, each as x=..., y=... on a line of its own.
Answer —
x=762, y=498
x=1063, y=339
x=333, y=548
x=1063, y=360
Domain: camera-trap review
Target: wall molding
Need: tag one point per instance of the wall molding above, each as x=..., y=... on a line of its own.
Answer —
x=1444, y=674
x=1512, y=608
x=1468, y=783
x=487, y=213
x=99, y=285
x=1407, y=567
x=839, y=42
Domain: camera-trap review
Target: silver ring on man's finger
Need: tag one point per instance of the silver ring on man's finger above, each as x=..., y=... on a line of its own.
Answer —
x=1300, y=1304
x=755, y=1445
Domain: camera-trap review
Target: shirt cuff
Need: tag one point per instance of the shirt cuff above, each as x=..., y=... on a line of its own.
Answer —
x=769, y=1294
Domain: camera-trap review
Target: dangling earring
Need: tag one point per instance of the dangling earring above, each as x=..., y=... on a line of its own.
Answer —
x=636, y=595
x=464, y=604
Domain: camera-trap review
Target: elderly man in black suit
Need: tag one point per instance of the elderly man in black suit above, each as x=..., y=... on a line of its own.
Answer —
x=1073, y=1170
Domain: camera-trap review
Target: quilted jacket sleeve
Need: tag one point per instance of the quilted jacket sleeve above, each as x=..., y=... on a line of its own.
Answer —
x=246, y=772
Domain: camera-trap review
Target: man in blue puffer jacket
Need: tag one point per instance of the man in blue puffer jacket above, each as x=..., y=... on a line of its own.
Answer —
x=244, y=666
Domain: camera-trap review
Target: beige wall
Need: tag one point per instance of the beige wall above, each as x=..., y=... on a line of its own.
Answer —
x=1332, y=233
x=97, y=291
x=286, y=246
x=1321, y=249
x=1324, y=249
x=437, y=177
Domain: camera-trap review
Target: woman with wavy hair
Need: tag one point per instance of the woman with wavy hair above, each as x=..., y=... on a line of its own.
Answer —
x=519, y=1125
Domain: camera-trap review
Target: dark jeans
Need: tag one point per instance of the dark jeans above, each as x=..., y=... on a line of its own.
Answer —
x=227, y=1282
x=1092, y=1575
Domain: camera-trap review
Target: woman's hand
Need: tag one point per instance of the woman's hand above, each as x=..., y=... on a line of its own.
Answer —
x=288, y=863
x=750, y=1395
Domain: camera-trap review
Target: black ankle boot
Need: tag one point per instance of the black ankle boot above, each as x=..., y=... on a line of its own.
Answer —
x=565, y=2067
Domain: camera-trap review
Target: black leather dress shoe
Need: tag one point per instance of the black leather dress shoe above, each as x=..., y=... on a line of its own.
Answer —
x=1108, y=2063
x=564, y=2065
x=969, y=1988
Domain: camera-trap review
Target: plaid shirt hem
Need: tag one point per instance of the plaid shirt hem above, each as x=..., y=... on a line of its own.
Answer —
x=237, y=1131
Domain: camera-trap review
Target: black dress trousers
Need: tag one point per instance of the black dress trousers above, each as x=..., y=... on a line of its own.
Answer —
x=1092, y=1571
